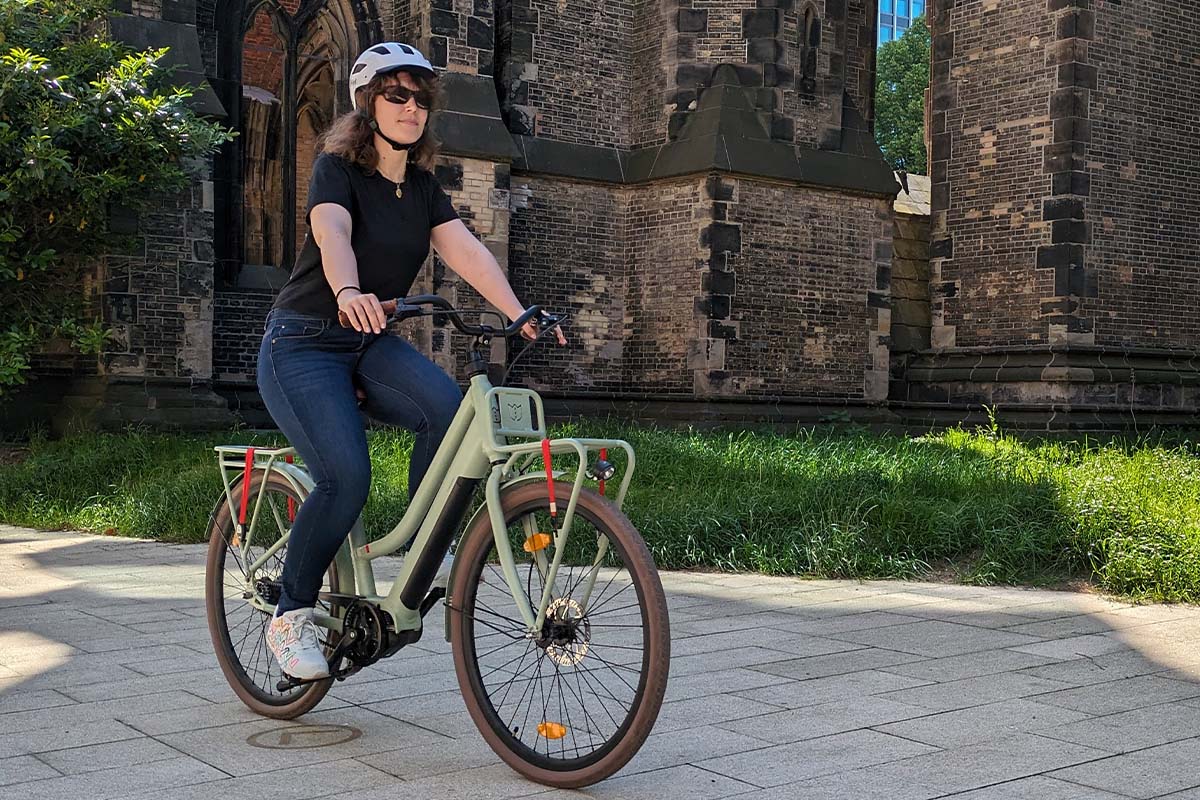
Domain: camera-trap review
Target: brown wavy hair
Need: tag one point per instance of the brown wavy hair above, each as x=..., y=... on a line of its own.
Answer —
x=351, y=137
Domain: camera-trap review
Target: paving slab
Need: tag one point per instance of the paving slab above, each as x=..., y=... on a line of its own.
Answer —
x=780, y=688
x=789, y=763
x=966, y=726
x=946, y=773
x=1149, y=773
x=1125, y=694
x=1133, y=730
x=968, y=692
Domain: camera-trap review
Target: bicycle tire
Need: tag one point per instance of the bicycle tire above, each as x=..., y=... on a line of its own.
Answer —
x=518, y=502
x=266, y=702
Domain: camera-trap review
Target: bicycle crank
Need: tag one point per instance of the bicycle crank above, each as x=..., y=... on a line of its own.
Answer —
x=367, y=637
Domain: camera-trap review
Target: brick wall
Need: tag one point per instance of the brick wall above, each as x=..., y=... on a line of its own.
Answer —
x=263, y=53
x=655, y=28
x=1143, y=208
x=809, y=294
x=158, y=297
x=479, y=191
x=665, y=256
x=238, y=321
x=467, y=35
x=568, y=74
x=991, y=124
x=860, y=40
x=567, y=252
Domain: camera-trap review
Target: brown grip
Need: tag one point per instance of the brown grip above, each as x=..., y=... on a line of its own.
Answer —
x=388, y=306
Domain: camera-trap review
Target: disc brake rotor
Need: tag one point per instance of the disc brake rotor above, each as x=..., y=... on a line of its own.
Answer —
x=569, y=632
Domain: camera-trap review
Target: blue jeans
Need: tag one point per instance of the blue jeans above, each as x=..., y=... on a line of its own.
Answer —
x=307, y=371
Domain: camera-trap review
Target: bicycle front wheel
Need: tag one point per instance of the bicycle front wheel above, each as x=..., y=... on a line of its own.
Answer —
x=571, y=705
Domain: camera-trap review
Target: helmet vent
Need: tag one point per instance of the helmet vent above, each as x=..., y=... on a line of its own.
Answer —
x=358, y=68
x=383, y=51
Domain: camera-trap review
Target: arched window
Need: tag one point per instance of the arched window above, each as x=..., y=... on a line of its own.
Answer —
x=810, y=45
x=281, y=68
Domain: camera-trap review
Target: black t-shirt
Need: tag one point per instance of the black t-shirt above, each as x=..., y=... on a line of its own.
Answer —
x=389, y=236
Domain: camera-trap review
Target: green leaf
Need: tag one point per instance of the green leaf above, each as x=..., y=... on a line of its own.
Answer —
x=902, y=76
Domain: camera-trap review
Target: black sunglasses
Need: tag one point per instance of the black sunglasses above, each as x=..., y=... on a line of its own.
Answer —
x=402, y=94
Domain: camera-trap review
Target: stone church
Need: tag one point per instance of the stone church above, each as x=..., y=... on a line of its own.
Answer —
x=697, y=183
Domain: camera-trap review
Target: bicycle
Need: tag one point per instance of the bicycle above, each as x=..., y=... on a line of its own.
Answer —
x=557, y=622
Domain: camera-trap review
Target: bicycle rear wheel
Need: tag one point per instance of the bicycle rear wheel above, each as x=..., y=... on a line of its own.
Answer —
x=239, y=629
x=572, y=706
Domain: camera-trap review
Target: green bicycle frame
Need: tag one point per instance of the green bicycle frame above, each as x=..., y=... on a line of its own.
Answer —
x=478, y=446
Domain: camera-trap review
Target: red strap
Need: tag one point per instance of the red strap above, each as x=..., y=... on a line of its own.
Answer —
x=549, y=476
x=603, y=457
x=246, y=484
x=291, y=502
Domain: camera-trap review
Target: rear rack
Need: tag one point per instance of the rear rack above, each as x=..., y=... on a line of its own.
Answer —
x=245, y=459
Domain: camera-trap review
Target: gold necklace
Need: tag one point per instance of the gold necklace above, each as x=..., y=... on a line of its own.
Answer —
x=399, y=185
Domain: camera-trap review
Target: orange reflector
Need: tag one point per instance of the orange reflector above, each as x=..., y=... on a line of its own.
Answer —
x=237, y=539
x=551, y=730
x=539, y=541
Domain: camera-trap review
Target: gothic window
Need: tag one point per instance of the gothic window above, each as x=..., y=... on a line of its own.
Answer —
x=809, y=46
x=281, y=68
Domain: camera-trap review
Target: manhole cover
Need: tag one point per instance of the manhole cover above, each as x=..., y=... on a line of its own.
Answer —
x=303, y=737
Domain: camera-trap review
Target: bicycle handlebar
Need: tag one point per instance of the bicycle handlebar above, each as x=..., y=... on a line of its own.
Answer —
x=410, y=307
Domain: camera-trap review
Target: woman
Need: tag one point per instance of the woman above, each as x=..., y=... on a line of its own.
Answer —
x=374, y=209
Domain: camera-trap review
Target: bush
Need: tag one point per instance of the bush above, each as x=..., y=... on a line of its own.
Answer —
x=84, y=123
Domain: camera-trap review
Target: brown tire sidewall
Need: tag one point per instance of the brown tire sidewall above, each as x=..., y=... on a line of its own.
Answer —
x=521, y=499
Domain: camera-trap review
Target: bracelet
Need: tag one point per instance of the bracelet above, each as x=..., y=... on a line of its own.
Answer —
x=344, y=288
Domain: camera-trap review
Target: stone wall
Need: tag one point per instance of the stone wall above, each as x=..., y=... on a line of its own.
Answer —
x=567, y=252
x=158, y=296
x=911, y=321
x=1140, y=221
x=239, y=319
x=1063, y=242
x=808, y=288
x=991, y=125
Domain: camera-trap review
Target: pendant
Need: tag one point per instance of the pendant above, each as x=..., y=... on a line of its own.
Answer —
x=399, y=191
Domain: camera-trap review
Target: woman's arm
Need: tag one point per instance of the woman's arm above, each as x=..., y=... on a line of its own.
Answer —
x=331, y=228
x=470, y=259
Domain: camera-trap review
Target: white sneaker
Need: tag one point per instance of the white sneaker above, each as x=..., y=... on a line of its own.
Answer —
x=292, y=637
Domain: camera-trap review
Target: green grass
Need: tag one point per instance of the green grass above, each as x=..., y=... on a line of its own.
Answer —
x=979, y=507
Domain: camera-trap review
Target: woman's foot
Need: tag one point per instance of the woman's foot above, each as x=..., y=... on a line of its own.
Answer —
x=292, y=637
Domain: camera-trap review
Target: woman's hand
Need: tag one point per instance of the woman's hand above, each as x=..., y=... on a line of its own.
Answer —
x=363, y=310
x=530, y=330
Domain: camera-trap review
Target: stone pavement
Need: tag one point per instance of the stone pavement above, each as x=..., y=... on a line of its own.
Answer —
x=780, y=688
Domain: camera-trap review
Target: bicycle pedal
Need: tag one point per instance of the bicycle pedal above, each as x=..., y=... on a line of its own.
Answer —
x=289, y=682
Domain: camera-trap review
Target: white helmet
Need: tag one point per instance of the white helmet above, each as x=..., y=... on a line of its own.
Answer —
x=384, y=58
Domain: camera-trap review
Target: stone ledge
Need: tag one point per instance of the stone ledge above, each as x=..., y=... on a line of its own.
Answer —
x=725, y=134
x=68, y=405
x=144, y=33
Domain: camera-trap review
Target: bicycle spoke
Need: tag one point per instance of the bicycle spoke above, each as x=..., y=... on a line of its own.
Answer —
x=563, y=698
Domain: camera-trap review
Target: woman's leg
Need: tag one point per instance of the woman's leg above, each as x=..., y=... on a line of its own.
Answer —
x=306, y=385
x=406, y=389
